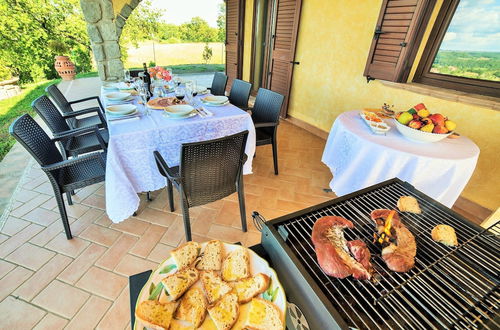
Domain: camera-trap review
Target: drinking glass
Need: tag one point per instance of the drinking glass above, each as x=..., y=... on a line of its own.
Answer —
x=145, y=94
x=126, y=73
x=180, y=92
x=177, y=80
x=194, y=88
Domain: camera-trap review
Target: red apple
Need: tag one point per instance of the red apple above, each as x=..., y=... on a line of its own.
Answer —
x=438, y=119
x=439, y=129
x=426, y=121
x=415, y=116
x=416, y=124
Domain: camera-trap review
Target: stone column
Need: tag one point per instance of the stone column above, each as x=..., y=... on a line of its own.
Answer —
x=105, y=28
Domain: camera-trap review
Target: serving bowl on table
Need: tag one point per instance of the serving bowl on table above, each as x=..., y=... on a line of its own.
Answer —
x=117, y=96
x=215, y=100
x=109, y=86
x=121, y=109
x=179, y=110
x=419, y=136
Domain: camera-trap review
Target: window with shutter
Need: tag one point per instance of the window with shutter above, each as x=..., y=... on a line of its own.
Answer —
x=397, y=35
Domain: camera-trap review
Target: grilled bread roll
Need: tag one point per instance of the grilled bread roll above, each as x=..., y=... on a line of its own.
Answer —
x=444, y=234
x=185, y=254
x=211, y=258
x=409, y=204
x=236, y=266
x=154, y=314
x=225, y=312
x=178, y=283
x=250, y=287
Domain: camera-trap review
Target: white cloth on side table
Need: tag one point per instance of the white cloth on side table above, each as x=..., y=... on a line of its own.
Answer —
x=358, y=159
x=130, y=164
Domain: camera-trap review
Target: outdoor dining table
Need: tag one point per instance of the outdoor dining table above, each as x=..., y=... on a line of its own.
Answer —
x=358, y=158
x=130, y=164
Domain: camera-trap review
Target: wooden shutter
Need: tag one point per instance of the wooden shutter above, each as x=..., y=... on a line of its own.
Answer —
x=283, y=41
x=397, y=36
x=234, y=40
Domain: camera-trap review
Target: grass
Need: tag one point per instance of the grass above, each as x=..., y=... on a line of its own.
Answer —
x=172, y=54
x=194, y=68
x=16, y=106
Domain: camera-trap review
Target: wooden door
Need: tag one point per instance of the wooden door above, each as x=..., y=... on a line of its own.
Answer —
x=235, y=13
x=283, y=39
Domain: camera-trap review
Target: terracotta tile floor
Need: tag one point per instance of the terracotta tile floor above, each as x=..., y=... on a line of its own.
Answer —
x=49, y=282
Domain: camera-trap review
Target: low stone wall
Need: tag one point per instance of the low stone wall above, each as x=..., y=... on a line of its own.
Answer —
x=9, y=88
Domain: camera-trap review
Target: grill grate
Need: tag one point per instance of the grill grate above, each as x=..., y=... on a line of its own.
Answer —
x=448, y=287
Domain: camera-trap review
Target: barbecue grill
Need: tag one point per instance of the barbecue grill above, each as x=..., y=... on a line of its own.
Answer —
x=449, y=287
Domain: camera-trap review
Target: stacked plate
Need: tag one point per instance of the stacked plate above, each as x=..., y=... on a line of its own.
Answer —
x=215, y=101
x=179, y=111
x=110, y=87
x=121, y=111
x=118, y=97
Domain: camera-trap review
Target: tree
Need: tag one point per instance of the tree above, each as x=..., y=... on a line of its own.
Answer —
x=207, y=53
x=197, y=30
x=221, y=22
x=144, y=23
x=27, y=28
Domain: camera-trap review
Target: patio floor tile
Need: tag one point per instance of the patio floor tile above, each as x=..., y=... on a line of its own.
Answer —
x=114, y=255
x=25, y=195
x=16, y=314
x=118, y=316
x=41, y=216
x=30, y=256
x=13, y=225
x=160, y=252
x=102, y=283
x=72, y=247
x=51, y=322
x=175, y=232
x=61, y=298
x=48, y=233
x=81, y=264
x=5, y=267
x=29, y=289
x=228, y=234
x=130, y=265
x=85, y=220
x=90, y=314
x=19, y=239
x=12, y=280
x=30, y=205
x=157, y=217
x=148, y=241
x=132, y=226
x=95, y=201
x=100, y=235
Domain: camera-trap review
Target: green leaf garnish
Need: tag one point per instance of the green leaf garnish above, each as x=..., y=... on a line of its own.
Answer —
x=167, y=269
x=151, y=287
x=274, y=294
x=156, y=292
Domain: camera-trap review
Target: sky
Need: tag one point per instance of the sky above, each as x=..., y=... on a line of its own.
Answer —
x=474, y=27
x=181, y=11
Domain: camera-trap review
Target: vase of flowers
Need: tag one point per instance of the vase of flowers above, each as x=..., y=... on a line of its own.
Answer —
x=161, y=76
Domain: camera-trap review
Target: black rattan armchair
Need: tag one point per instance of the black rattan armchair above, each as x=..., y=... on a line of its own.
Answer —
x=64, y=175
x=73, y=141
x=266, y=116
x=65, y=106
x=240, y=93
x=218, y=84
x=208, y=171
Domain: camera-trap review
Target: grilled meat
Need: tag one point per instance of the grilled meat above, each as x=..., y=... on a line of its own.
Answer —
x=399, y=254
x=332, y=249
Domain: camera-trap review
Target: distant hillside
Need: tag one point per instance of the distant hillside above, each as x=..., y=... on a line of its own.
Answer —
x=478, y=65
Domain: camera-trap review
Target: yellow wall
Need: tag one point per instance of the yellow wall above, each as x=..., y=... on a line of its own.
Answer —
x=333, y=43
x=247, y=43
x=118, y=5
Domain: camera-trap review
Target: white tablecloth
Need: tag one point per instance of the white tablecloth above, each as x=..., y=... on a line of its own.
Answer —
x=358, y=159
x=130, y=165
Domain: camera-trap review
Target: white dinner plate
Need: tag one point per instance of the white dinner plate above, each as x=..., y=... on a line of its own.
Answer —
x=208, y=104
x=117, y=96
x=189, y=115
x=120, y=109
x=109, y=86
x=124, y=101
x=257, y=265
x=179, y=110
x=215, y=99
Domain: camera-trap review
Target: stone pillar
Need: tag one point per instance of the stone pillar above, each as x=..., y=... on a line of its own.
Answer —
x=105, y=28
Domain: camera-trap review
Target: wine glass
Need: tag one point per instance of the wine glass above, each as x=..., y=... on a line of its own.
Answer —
x=126, y=74
x=177, y=80
x=180, y=93
x=145, y=95
x=194, y=88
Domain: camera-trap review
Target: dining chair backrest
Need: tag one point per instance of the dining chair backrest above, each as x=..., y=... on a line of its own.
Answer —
x=34, y=139
x=50, y=115
x=240, y=93
x=59, y=98
x=219, y=84
x=210, y=169
x=267, y=106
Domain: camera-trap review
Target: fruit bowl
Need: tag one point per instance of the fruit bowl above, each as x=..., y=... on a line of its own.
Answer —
x=419, y=136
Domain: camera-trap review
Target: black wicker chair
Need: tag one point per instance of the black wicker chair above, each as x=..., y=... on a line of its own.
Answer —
x=65, y=106
x=64, y=175
x=208, y=171
x=84, y=140
x=218, y=84
x=266, y=116
x=240, y=93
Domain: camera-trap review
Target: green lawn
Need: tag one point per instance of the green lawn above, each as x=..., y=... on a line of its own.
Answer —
x=193, y=68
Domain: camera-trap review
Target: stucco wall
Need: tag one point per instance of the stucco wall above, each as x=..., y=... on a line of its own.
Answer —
x=247, y=42
x=333, y=43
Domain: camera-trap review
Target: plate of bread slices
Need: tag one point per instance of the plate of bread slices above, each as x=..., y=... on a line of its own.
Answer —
x=212, y=285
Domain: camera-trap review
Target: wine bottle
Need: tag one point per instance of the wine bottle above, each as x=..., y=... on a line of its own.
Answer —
x=147, y=78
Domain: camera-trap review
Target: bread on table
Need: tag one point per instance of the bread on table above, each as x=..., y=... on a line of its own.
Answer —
x=236, y=266
x=263, y=315
x=193, y=307
x=211, y=258
x=178, y=283
x=225, y=312
x=409, y=204
x=186, y=254
x=181, y=325
x=214, y=286
x=250, y=287
x=444, y=234
x=154, y=314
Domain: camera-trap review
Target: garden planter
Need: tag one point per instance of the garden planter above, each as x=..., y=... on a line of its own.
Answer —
x=65, y=67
